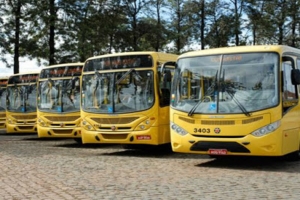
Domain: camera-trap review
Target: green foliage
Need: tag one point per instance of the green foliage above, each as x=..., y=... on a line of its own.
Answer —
x=74, y=30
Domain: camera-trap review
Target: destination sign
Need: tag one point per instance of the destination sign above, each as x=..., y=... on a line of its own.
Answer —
x=3, y=82
x=118, y=62
x=24, y=78
x=62, y=71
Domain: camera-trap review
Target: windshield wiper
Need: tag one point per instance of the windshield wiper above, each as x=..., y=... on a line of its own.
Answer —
x=231, y=94
x=137, y=77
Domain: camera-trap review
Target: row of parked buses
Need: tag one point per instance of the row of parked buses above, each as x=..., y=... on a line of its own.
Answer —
x=223, y=101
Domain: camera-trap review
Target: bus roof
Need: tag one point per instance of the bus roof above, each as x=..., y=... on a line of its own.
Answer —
x=63, y=65
x=239, y=49
x=24, y=77
x=161, y=55
x=26, y=73
x=137, y=59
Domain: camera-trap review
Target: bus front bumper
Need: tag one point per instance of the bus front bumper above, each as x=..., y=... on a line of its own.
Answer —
x=68, y=132
x=131, y=137
x=249, y=145
x=19, y=128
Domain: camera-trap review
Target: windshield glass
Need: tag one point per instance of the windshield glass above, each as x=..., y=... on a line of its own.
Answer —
x=21, y=98
x=234, y=83
x=2, y=97
x=59, y=95
x=118, y=92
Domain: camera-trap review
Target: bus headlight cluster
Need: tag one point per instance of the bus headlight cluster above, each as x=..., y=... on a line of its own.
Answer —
x=87, y=125
x=266, y=129
x=145, y=124
x=41, y=122
x=10, y=121
x=178, y=129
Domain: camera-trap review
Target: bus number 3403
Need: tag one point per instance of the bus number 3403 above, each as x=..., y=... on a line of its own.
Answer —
x=201, y=130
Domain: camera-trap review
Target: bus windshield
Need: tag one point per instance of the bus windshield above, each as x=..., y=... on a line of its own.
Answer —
x=59, y=95
x=231, y=83
x=118, y=92
x=21, y=98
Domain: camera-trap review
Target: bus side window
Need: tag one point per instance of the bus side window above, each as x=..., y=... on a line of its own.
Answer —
x=290, y=96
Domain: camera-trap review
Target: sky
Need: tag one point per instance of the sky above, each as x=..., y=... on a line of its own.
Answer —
x=25, y=66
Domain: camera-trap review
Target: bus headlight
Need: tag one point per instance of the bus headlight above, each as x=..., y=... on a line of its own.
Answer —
x=41, y=122
x=87, y=126
x=266, y=129
x=10, y=121
x=144, y=125
x=178, y=129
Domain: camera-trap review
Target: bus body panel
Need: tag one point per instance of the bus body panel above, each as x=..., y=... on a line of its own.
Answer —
x=125, y=128
x=53, y=118
x=59, y=126
x=20, y=123
x=232, y=134
x=149, y=126
x=231, y=129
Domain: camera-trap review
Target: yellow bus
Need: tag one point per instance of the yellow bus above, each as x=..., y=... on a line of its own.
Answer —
x=21, y=103
x=3, y=83
x=124, y=99
x=237, y=101
x=58, y=98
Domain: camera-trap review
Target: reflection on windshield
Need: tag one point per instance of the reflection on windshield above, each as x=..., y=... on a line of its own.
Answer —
x=239, y=83
x=2, y=98
x=21, y=98
x=59, y=95
x=118, y=92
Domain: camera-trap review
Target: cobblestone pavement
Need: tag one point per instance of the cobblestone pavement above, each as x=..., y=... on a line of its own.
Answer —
x=32, y=168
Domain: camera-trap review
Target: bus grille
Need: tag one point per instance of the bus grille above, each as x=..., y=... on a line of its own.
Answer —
x=24, y=117
x=191, y=121
x=62, y=131
x=25, y=127
x=63, y=125
x=230, y=146
x=114, y=136
x=62, y=118
x=247, y=121
x=25, y=122
x=220, y=122
x=124, y=120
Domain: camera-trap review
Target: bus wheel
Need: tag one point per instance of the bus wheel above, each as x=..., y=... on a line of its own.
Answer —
x=78, y=140
x=294, y=156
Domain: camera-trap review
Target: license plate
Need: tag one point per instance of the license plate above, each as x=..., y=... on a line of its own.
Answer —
x=143, y=137
x=217, y=151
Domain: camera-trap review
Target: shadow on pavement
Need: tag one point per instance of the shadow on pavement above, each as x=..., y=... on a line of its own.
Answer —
x=94, y=146
x=17, y=134
x=162, y=151
x=45, y=139
x=253, y=163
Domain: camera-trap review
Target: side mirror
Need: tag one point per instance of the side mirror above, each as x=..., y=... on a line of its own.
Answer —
x=295, y=76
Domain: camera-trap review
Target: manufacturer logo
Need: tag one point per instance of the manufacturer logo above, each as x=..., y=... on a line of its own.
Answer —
x=113, y=128
x=62, y=124
x=217, y=130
